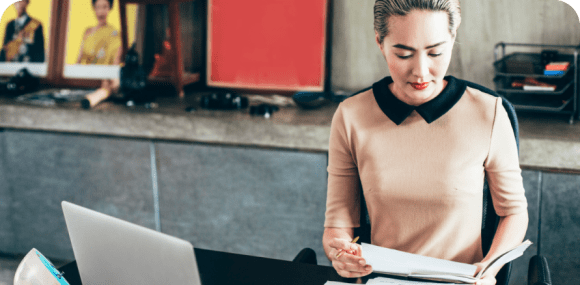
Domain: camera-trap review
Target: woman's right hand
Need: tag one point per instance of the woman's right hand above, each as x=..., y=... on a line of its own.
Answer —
x=350, y=263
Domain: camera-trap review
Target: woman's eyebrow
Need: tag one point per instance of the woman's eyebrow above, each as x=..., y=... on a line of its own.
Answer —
x=412, y=49
x=435, y=45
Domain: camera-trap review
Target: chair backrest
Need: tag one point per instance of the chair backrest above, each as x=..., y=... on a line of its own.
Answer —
x=490, y=219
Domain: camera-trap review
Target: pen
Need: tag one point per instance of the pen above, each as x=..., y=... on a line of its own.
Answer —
x=340, y=251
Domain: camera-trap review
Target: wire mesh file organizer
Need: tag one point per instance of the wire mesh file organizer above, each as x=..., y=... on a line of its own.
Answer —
x=522, y=78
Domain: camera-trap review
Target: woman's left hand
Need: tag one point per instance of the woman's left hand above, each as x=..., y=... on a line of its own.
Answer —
x=488, y=278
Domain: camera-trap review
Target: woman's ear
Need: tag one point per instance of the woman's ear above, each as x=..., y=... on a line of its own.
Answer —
x=378, y=40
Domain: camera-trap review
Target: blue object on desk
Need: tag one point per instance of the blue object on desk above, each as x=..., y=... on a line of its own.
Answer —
x=57, y=275
x=36, y=269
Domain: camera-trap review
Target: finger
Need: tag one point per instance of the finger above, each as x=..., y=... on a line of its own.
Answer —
x=357, y=249
x=350, y=250
x=485, y=281
x=336, y=253
x=351, y=274
x=333, y=252
x=350, y=267
x=353, y=259
x=348, y=274
x=340, y=243
x=352, y=263
x=353, y=249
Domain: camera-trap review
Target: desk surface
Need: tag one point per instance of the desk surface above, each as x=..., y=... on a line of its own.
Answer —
x=228, y=268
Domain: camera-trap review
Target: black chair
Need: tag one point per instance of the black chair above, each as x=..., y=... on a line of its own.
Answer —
x=538, y=271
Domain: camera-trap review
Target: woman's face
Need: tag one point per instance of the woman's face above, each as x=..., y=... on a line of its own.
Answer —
x=418, y=51
x=102, y=8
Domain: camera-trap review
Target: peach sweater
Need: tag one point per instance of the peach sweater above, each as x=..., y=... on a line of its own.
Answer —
x=423, y=178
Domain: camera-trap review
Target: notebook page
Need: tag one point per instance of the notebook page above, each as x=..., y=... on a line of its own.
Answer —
x=385, y=260
x=393, y=261
x=448, y=278
x=508, y=256
x=391, y=281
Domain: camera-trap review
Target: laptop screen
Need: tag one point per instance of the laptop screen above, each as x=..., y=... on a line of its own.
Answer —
x=109, y=250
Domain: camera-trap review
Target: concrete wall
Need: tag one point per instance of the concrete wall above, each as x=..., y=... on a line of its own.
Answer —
x=357, y=62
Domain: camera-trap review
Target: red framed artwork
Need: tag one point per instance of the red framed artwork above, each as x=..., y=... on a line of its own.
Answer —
x=265, y=44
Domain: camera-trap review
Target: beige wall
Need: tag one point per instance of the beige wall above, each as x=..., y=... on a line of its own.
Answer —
x=357, y=62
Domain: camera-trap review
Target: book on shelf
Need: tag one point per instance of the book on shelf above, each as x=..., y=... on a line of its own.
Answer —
x=560, y=65
x=398, y=263
x=554, y=72
x=538, y=88
x=531, y=84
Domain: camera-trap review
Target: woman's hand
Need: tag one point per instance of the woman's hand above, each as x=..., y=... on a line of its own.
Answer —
x=510, y=233
x=350, y=263
x=488, y=278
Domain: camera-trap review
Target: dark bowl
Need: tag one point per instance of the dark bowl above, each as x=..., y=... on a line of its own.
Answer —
x=310, y=100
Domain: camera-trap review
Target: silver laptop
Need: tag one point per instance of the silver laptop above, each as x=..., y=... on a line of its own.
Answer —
x=112, y=251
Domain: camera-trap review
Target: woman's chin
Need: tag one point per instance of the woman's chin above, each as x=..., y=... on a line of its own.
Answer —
x=418, y=97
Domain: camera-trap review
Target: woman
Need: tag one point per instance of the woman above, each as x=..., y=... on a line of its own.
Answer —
x=420, y=144
x=101, y=44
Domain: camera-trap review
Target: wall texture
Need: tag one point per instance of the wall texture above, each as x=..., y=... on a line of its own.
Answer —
x=357, y=61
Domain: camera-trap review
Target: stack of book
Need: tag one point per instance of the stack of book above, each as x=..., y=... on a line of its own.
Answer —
x=531, y=84
x=556, y=68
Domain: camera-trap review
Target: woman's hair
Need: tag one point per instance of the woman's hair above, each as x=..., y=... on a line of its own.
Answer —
x=110, y=3
x=387, y=8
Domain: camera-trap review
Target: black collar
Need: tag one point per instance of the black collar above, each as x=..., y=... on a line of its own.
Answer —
x=398, y=110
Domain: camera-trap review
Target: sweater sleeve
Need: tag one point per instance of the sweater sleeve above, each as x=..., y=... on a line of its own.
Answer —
x=502, y=167
x=342, y=201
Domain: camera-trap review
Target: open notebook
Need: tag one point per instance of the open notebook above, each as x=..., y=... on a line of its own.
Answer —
x=394, y=262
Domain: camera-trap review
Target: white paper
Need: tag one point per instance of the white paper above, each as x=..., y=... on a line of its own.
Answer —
x=508, y=256
x=447, y=278
x=391, y=281
x=390, y=261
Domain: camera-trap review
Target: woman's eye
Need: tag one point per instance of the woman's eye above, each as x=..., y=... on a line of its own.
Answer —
x=404, y=56
x=435, y=54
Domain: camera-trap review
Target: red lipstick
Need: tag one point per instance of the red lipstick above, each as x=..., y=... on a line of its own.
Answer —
x=420, y=86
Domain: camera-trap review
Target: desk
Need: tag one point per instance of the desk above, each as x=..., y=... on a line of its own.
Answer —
x=228, y=268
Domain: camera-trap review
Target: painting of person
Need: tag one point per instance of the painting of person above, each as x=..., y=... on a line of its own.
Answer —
x=23, y=38
x=101, y=44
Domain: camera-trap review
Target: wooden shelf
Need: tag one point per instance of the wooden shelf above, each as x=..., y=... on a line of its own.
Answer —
x=186, y=78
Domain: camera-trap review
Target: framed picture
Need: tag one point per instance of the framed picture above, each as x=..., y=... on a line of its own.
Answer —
x=27, y=31
x=275, y=45
x=93, y=45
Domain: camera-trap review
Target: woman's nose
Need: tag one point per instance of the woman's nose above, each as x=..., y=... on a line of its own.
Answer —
x=421, y=67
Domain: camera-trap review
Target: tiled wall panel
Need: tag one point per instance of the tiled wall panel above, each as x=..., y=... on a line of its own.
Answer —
x=112, y=176
x=250, y=201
